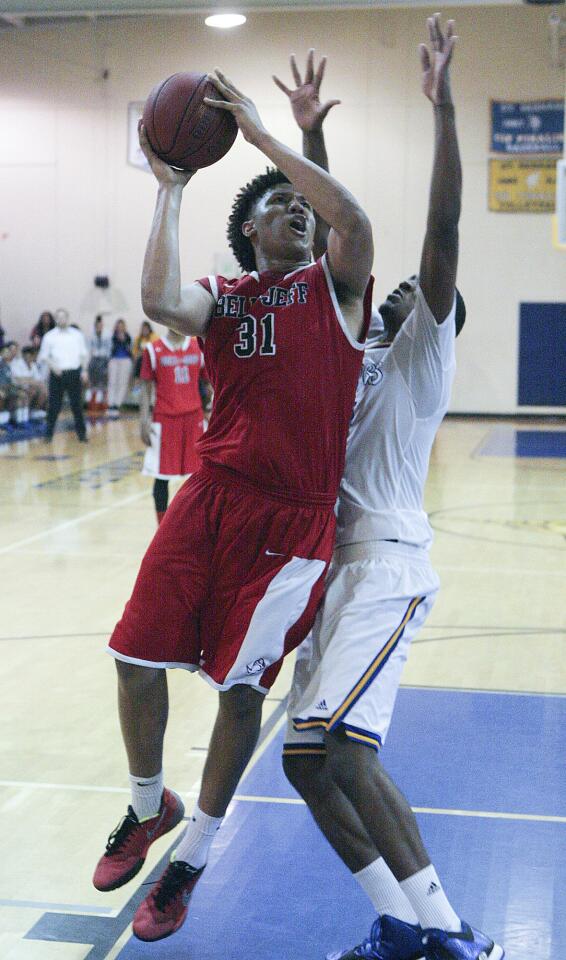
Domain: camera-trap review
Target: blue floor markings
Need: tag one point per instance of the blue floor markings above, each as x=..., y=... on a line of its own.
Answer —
x=506, y=441
x=274, y=890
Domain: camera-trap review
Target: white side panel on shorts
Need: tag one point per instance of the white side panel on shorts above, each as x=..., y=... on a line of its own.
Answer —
x=279, y=609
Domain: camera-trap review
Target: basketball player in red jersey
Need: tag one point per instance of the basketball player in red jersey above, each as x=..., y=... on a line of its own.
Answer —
x=234, y=575
x=173, y=363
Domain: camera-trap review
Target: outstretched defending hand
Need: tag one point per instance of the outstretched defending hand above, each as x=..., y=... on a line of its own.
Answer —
x=308, y=111
x=435, y=63
x=161, y=170
x=241, y=107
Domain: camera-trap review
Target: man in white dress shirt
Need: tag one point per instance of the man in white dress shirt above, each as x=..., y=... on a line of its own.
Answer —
x=65, y=352
x=381, y=586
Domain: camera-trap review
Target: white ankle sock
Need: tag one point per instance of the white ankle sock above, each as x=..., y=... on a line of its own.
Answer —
x=197, y=838
x=384, y=891
x=146, y=795
x=426, y=895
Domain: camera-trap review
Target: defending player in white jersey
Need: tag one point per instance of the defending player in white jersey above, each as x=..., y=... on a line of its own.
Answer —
x=381, y=585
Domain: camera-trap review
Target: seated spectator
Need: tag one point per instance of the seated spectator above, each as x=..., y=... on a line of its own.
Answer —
x=10, y=350
x=13, y=398
x=119, y=367
x=45, y=323
x=100, y=348
x=26, y=374
x=145, y=336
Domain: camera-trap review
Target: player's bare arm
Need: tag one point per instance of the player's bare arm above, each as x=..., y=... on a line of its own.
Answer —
x=439, y=260
x=187, y=310
x=310, y=114
x=350, y=243
x=145, y=411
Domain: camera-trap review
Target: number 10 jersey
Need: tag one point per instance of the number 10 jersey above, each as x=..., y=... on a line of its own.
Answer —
x=284, y=368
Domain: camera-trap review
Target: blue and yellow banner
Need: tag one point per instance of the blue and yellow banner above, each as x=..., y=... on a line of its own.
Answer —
x=529, y=126
x=522, y=186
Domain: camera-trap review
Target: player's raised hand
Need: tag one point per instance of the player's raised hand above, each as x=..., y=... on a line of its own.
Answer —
x=436, y=61
x=161, y=170
x=242, y=108
x=308, y=111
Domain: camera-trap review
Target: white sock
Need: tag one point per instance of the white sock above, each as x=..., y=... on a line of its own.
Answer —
x=426, y=895
x=197, y=838
x=384, y=891
x=146, y=795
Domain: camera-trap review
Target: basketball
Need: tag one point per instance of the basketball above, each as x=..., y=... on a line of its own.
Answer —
x=181, y=129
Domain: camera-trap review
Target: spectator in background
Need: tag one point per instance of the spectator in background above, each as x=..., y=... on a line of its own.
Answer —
x=145, y=336
x=13, y=398
x=65, y=351
x=10, y=351
x=45, y=323
x=26, y=374
x=119, y=368
x=100, y=348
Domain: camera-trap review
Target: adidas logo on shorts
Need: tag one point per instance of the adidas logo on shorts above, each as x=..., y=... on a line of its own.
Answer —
x=321, y=705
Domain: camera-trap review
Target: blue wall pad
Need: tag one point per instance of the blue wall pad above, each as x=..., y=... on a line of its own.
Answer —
x=542, y=355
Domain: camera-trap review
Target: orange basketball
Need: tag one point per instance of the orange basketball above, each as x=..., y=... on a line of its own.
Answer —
x=181, y=129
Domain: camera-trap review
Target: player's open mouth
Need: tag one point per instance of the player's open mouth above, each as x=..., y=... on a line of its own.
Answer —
x=299, y=225
x=394, y=297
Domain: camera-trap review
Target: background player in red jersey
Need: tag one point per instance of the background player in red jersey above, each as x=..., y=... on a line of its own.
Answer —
x=233, y=576
x=173, y=363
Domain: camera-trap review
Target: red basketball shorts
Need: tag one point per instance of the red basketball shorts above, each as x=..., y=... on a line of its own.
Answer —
x=172, y=452
x=229, y=585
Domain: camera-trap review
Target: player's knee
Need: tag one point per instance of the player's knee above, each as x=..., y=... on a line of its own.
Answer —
x=304, y=773
x=242, y=705
x=137, y=680
x=349, y=763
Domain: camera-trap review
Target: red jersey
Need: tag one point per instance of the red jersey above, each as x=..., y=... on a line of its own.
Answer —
x=175, y=371
x=284, y=369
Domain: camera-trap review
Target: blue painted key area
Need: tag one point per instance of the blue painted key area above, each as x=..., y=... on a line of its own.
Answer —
x=509, y=442
x=274, y=890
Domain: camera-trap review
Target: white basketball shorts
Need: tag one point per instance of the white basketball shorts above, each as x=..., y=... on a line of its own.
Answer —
x=347, y=673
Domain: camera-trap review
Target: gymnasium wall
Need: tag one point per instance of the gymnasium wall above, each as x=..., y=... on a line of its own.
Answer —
x=71, y=207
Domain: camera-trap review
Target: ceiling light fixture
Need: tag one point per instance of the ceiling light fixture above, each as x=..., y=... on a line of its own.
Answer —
x=225, y=20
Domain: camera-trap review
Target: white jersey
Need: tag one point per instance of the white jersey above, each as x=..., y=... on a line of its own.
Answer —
x=402, y=396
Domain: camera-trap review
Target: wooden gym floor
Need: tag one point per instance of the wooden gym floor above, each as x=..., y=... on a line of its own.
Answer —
x=475, y=741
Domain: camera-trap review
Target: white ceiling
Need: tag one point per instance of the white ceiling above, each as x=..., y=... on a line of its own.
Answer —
x=12, y=10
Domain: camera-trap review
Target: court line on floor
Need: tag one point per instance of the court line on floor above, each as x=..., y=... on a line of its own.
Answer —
x=488, y=690
x=83, y=908
x=111, y=933
x=433, y=811
x=514, y=571
x=296, y=801
x=72, y=523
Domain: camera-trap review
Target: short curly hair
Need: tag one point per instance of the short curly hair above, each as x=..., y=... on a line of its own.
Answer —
x=241, y=246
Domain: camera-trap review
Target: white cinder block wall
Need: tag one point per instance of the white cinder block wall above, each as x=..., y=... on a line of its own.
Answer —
x=71, y=207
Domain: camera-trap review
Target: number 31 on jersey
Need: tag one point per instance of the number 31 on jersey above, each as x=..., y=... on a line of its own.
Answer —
x=250, y=330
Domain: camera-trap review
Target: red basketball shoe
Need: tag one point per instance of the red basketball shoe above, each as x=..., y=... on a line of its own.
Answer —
x=128, y=844
x=164, y=909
